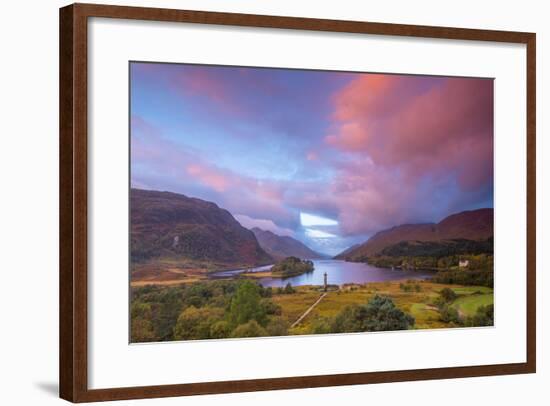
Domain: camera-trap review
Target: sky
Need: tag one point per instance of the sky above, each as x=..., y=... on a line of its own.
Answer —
x=329, y=158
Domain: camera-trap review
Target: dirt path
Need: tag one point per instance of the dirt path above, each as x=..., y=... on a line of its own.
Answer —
x=308, y=310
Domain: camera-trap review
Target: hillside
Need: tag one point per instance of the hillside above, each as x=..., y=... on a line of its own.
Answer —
x=172, y=227
x=475, y=225
x=438, y=249
x=347, y=251
x=280, y=247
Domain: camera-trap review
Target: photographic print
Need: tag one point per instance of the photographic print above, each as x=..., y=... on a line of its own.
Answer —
x=277, y=202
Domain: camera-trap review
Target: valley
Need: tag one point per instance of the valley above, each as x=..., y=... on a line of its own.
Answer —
x=197, y=273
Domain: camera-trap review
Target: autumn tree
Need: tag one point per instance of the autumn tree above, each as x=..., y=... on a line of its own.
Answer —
x=246, y=305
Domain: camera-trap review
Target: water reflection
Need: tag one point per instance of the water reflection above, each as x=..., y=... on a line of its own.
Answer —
x=338, y=273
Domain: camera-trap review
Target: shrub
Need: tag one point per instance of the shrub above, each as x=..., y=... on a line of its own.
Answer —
x=141, y=326
x=320, y=325
x=267, y=292
x=271, y=308
x=166, y=309
x=449, y=314
x=277, y=327
x=289, y=289
x=249, y=329
x=410, y=286
x=195, y=323
x=379, y=314
x=142, y=331
x=220, y=329
x=484, y=317
x=447, y=295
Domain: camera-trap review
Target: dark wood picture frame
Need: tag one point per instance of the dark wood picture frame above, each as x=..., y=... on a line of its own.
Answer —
x=73, y=362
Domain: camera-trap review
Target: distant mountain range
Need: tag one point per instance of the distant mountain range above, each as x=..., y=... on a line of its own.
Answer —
x=171, y=226
x=474, y=225
x=280, y=247
x=347, y=251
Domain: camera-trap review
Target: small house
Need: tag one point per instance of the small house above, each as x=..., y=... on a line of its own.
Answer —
x=463, y=263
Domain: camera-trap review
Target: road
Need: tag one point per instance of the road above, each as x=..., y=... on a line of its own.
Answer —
x=308, y=310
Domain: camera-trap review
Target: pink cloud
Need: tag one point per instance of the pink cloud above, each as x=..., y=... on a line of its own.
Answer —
x=370, y=198
x=211, y=177
x=363, y=94
x=407, y=148
x=202, y=83
x=403, y=133
x=149, y=146
x=312, y=156
x=351, y=136
x=225, y=90
x=173, y=167
x=442, y=128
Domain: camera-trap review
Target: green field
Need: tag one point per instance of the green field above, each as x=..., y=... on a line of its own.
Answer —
x=466, y=290
x=467, y=305
x=420, y=304
x=241, y=308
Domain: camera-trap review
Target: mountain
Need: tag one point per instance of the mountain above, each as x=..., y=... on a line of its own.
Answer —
x=347, y=251
x=474, y=225
x=171, y=226
x=280, y=247
x=438, y=249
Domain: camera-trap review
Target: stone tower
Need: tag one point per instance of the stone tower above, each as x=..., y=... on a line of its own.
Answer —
x=325, y=286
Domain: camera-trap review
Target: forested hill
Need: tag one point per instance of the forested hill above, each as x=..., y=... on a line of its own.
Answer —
x=474, y=225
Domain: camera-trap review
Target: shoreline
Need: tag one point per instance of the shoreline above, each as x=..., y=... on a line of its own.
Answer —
x=168, y=277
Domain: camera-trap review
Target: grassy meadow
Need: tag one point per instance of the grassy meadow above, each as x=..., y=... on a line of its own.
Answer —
x=243, y=308
x=421, y=303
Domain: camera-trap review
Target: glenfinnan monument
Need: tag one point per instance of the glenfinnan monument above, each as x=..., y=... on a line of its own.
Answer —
x=325, y=281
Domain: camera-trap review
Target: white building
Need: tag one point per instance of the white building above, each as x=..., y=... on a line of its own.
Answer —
x=463, y=263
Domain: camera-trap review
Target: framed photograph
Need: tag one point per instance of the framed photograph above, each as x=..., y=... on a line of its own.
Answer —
x=255, y=202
